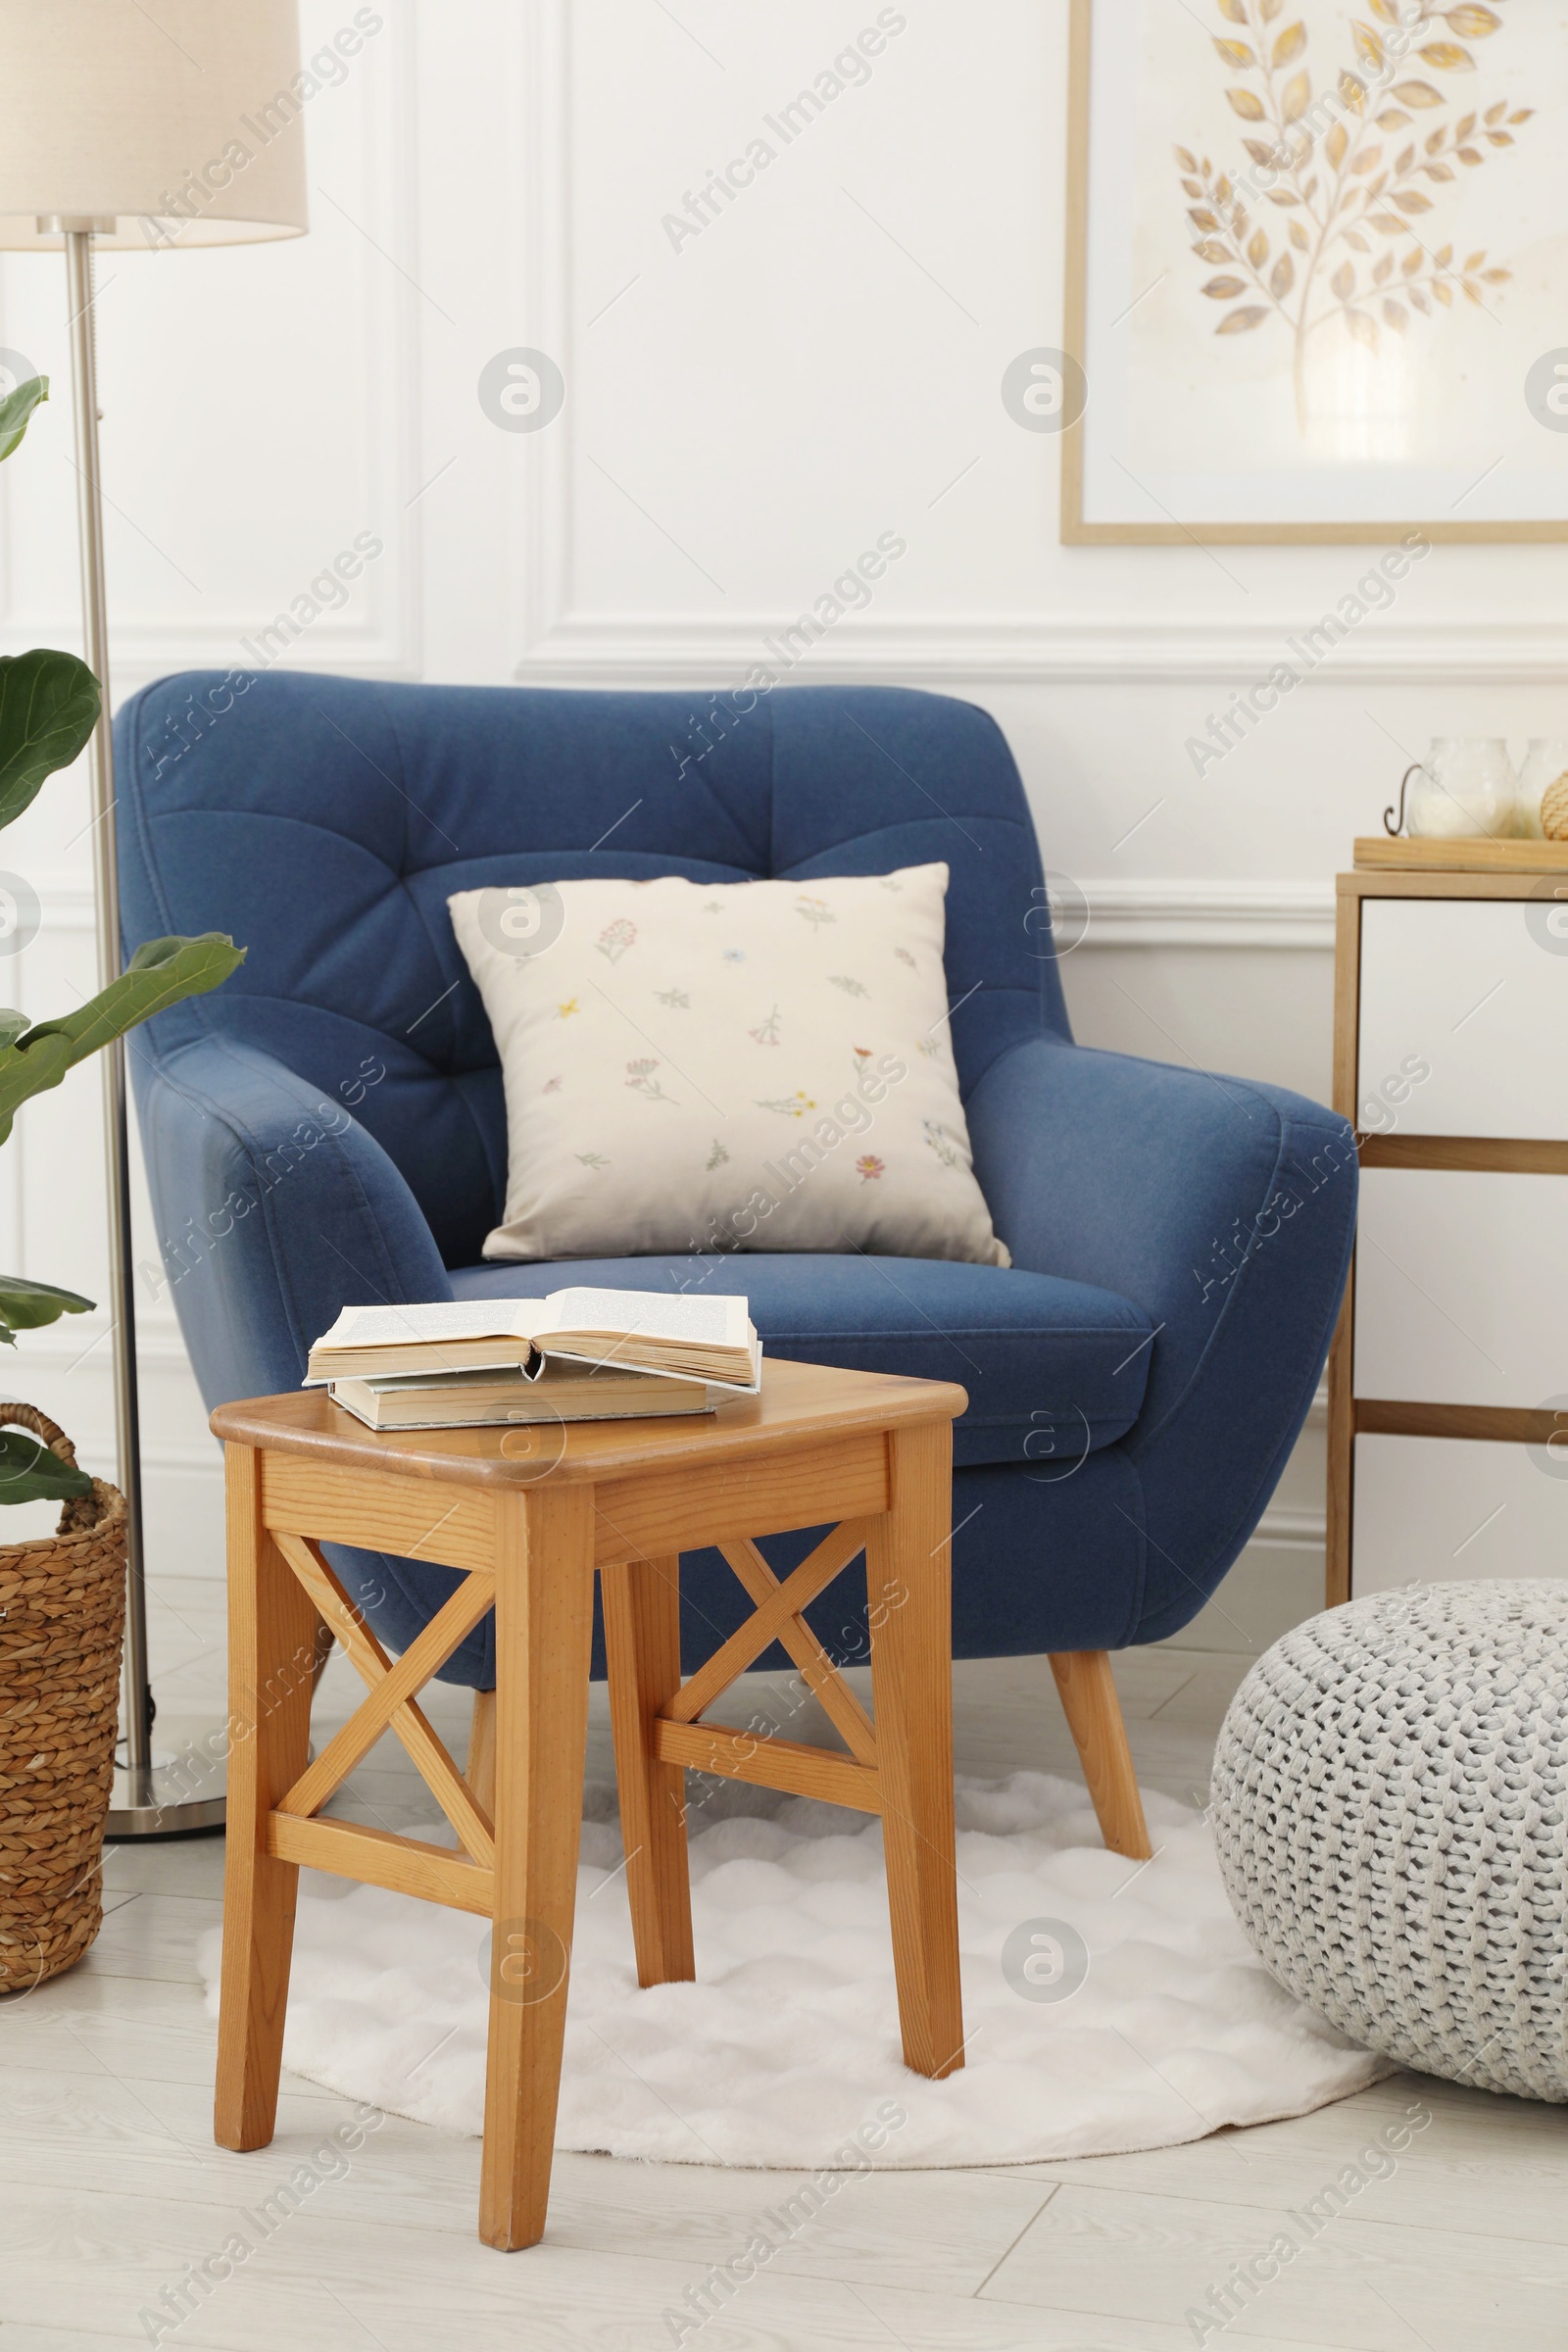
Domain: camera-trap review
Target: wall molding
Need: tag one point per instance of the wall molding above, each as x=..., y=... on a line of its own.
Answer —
x=1143, y=913
x=1030, y=649
x=563, y=646
x=1290, y=1527
x=75, y=1342
x=1151, y=912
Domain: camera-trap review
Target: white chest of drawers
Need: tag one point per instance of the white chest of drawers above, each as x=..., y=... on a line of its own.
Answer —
x=1448, y=1375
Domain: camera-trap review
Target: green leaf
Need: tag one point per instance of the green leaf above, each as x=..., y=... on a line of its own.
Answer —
x=25, y=1305
x=159, y=975
x=15, y=411
x=49, y=705
x=30, y=1473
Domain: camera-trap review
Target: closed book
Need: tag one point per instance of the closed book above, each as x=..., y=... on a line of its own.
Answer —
x=489, y=1398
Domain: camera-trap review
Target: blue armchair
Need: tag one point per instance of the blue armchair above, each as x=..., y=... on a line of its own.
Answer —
x=329, y=1127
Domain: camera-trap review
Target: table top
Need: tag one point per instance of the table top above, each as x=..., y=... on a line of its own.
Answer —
x=799, y=1403
x=1376, y=853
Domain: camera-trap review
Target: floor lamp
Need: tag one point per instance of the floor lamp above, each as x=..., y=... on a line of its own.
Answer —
x=140, y=130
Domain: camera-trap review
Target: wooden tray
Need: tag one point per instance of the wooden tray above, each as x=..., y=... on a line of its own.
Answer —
x=1380, y=854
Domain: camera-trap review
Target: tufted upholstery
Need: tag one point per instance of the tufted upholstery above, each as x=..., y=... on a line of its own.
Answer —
x=330, y=1127
x=325, y=823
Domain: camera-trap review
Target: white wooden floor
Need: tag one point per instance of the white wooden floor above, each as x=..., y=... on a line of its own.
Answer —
x=111, y=2189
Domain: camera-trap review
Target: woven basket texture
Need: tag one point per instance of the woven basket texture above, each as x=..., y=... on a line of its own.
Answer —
x=1554, y=810
x=61, y=1618
x=1391, y=1812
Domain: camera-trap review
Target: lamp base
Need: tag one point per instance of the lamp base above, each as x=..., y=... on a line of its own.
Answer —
x=177, y=1795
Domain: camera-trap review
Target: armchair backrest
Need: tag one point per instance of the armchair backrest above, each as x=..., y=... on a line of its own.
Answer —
x=322, y=823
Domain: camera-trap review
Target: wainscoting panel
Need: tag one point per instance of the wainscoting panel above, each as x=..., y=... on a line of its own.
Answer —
x=756, y=390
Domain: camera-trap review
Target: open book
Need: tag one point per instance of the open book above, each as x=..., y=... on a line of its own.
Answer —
x=680, y=1335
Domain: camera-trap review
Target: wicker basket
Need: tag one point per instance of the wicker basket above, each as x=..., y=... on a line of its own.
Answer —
x=61, y=1616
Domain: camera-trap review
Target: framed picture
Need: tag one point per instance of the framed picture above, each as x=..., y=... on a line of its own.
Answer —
x=1317, y=271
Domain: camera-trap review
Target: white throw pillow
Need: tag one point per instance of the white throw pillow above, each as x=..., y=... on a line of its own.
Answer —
x=752, y=1066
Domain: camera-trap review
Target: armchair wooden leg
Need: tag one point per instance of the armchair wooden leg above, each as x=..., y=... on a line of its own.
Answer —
x=1094, y=1715
x=480, y=1770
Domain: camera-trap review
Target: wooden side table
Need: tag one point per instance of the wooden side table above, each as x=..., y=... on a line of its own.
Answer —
x=528, y=1516
x=1447, y=1379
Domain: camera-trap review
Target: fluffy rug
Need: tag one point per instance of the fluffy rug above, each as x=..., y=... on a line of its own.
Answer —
x=1109, y=2006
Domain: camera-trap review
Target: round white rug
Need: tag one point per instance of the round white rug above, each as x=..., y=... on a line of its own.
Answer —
x=1108, y=2005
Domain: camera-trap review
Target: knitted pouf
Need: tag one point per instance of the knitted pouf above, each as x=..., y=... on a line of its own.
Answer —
x=1391, y=1794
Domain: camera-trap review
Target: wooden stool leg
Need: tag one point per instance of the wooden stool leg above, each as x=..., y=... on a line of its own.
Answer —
x=271, y=1657
x=909, y=1589
x=642, y=1649
x=480, y=1770
x=1089, y=1700
x=544, y=1634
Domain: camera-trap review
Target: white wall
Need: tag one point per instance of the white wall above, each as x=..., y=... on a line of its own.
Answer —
x=743, y=414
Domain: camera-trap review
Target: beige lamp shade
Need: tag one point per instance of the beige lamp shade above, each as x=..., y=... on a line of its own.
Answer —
x=179, y=123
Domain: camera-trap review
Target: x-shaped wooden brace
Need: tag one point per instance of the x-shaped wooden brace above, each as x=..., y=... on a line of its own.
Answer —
x=778, y=1617
x=391, y=1686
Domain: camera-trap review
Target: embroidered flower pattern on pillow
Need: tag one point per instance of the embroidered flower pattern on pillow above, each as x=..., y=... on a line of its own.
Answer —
x=946, y=1145
x=640, y=1074
x=860, y=1142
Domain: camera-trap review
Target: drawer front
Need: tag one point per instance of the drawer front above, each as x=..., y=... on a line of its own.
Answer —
x=1464, y=1019
x=1442, y=1510
x=1462, y=1288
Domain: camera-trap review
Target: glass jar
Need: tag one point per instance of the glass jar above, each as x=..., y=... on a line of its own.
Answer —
x=1465, y=789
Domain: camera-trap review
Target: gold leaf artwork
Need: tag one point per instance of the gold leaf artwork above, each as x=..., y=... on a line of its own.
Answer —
x=1327, y=167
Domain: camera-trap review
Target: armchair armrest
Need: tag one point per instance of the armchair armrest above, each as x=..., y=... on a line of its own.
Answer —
x=276, y=1208
x=1226, y=1210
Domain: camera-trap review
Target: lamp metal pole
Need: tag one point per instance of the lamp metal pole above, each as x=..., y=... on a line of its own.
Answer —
x=150, y=1799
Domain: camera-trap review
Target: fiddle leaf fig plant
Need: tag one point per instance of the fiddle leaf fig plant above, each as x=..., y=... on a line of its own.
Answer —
x=49, y=706
x=16, y=409
x=48, y=703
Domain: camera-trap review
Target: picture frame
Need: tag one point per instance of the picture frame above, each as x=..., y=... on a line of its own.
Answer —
x=1249, y=362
